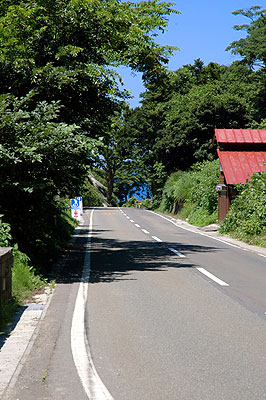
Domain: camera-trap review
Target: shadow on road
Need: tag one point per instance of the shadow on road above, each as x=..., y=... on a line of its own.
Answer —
x=113, y=260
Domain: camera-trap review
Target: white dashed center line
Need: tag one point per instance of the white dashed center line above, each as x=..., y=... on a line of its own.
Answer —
x=177, y=252
x=211, y=276
x=144, y=230
x=156, y=238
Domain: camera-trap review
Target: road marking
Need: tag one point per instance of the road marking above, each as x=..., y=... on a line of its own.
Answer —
x=137, y=225
x=262, y=255
x=198, y=233
x=177, y=252
x=131, y=220
x=144, y=230
x=156, y=238
x=91, y=382
x=211, y=276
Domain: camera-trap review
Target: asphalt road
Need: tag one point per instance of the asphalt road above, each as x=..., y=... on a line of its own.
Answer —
x=157, y=325
x=161, y=330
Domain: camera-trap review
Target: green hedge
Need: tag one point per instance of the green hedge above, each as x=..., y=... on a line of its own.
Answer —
x=192, y=194
x=246, y=218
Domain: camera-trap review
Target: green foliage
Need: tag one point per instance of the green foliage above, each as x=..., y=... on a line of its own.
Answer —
x=205, y=177
x=24, y=278
x=200, y=217
x=130, y=202
x=36, y=152
x=176, y=191
x=58, y=93
x=91, y=196
x=192, y=193
x=247, y=214
x=147, y=204
x=252, y=48
x=174, y=126
x=5, y=235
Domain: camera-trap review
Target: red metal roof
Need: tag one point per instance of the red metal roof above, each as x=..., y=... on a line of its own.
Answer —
x=240, y=135
x=238, y=166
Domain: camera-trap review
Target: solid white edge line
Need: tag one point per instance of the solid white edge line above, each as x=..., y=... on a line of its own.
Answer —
x=198, y=233
x=262, y=255
x=156, y=238
x=211, y=276
x=91, y=382
x=177, y=252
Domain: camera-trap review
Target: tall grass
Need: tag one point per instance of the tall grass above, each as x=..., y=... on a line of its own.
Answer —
x=192, y=194
x=24, y=277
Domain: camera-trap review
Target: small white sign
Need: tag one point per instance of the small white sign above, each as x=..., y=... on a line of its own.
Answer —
x=75, y=213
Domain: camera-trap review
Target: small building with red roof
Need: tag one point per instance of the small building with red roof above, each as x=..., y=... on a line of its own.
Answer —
x=242, y=152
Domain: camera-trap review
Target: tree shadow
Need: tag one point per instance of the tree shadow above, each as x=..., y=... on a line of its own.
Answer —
x=115, y=260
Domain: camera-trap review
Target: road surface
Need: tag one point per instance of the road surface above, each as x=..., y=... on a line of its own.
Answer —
x=169, y=313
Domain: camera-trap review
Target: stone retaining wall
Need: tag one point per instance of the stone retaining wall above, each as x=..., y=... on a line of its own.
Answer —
x=6, y=263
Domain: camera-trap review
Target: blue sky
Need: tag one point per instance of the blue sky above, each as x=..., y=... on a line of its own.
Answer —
x=203, y=30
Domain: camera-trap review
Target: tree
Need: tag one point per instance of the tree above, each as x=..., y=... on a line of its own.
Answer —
x=41, y=160
x=175, y=124
x=58, y=87
x=252, y=48
x=65, y=50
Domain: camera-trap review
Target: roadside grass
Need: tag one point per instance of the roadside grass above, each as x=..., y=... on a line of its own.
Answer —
x=24, y=277
x=27, y=280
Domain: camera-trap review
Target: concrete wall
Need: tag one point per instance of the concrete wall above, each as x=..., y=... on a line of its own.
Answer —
x=6, y=263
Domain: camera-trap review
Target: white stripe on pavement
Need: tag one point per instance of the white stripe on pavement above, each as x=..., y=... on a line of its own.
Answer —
x=156, y=238
x=177, y=252
x=211, y=276
x=91, y=382
x=144, y=230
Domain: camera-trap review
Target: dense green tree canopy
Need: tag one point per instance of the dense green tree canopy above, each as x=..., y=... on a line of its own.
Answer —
x=59, y=93
x=175, y=123
x=65, y=50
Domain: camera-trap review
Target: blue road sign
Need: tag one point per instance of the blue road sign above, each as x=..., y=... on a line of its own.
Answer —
x=79, y=199
x=74, y=204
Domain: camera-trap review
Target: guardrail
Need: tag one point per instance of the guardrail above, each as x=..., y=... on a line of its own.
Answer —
x=6, y=263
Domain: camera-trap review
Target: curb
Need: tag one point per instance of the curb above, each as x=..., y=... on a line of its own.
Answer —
x=18, y=345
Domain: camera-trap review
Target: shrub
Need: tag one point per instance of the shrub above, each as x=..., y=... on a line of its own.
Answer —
x=192, y=194
x=24, y=277
x=5, y=235
x=130, y=202
x=91, y=196
x=205, y=176
x=148, y=204
x=247, y=215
